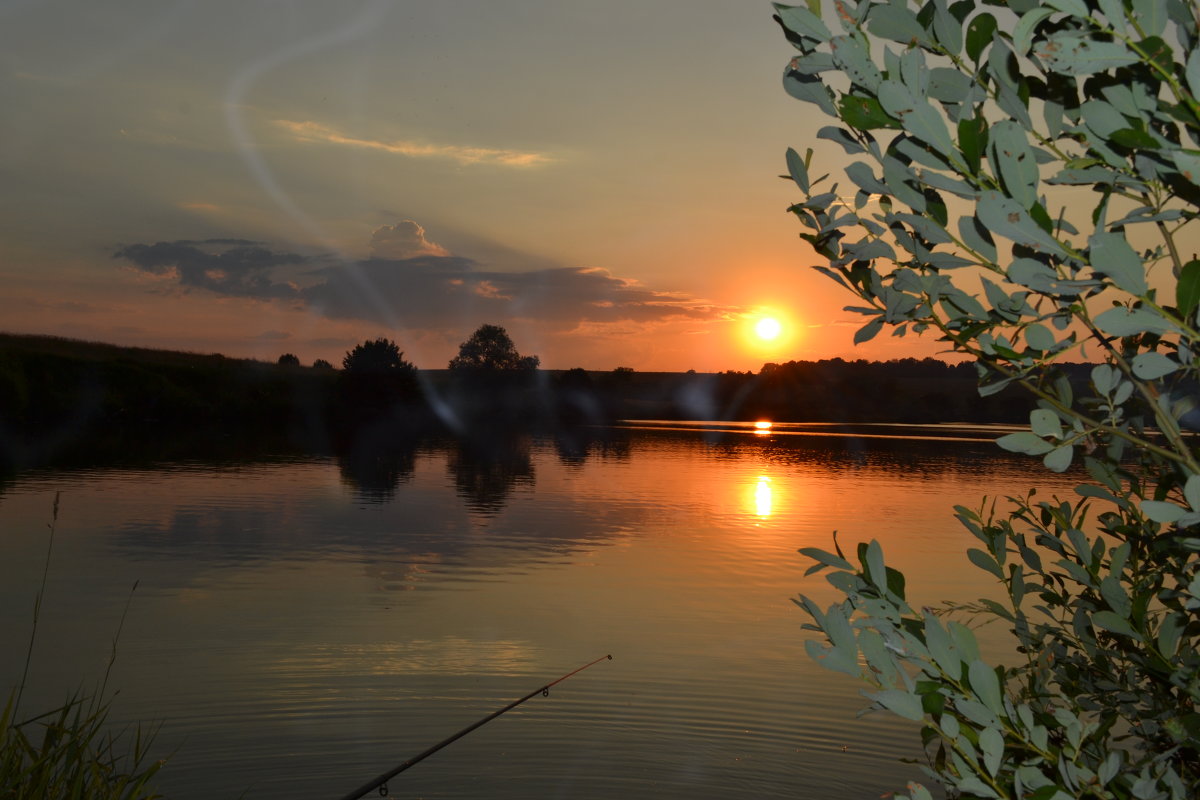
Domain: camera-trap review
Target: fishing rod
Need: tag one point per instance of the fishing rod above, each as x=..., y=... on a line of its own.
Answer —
x=382, y=780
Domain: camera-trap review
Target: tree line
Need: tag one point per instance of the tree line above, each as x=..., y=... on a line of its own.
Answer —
x=57, y=393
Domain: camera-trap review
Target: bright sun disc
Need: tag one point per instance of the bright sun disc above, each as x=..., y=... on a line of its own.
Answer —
x=768, y=328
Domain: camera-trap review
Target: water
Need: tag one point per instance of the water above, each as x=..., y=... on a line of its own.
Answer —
x=302, y=624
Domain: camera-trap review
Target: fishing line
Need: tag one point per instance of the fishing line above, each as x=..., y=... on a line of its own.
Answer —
x=381, y=781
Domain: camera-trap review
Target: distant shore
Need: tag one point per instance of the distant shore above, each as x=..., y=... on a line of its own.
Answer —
x=56, y=394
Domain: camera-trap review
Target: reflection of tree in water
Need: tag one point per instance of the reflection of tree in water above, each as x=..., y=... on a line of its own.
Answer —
x=375, y=472
x=572, y=445
x=486, y=468
x=575, y=444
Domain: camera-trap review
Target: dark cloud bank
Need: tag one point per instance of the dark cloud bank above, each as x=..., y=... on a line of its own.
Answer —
x=421, y=291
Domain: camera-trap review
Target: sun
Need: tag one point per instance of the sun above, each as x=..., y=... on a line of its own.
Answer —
x=768, y=329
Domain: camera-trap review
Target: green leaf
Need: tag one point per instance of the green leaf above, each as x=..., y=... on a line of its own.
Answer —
x=1191, y=492
x=833, y=658
x=1114, y=594
x=1160, y=511
x=900, y=703
x=1114, y=11
x=973, y=139
x=1015, y=162
x=1059, y=459
x=864, y=113
x=1146, y=214
x=1045, y=422
x=812, y=63
x=1170, y=633
x=797, y=169
x=918, y=792
x=977, y=237
x=1123, y=321
x=828, y=559
x=1105, y=378
x=838, y=629
x=1076, y=8
x=1039, y=337
x=918, y=117
x=1133, y=138
x=1023, y=33
x=1072, y=54
x=1152, y=14
x=1152, y=366
x=803, y=22
x=864, y=178
x=1112, y=622
x=1032, y=274
x=1188, y=164
x=964, y=640
x=979, y=35
x=897, y=23
x=941, y=647
x=976, y=712
x=986, y=686
x=991, y=742
x=1103, y=118
x=874, y=565
x=1193, y=72
x=842, y=137
x=946, y=28
x=869, y=331
x=984, y=562
x=810, y=89
x=1008, y=218
x=1050, y=792
x=1113, y=256
x=852, y=57
x=1083, y=176
x=1025, y=442
x=879, y=660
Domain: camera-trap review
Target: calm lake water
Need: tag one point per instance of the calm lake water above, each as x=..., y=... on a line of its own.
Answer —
x=303, y=624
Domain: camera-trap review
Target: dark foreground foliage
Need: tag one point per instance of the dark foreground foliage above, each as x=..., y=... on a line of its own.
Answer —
x=71, y=753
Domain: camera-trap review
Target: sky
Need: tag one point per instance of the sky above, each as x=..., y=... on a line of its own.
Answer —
x=270, y=176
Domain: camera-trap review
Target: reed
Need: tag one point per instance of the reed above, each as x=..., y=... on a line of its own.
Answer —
x=71, y=752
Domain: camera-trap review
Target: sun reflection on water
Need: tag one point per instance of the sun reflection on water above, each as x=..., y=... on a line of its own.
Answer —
x=762, y=497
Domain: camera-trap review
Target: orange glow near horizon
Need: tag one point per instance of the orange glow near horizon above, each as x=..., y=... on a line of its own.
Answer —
x=762, y=426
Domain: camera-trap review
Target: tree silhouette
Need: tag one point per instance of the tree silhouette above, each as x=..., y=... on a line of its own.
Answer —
x=376, y=381
x=491, y=349
x=321, y=363
x=289, y=360
x=378, y=357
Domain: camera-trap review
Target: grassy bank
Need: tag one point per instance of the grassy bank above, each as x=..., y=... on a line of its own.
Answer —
x=70, y=752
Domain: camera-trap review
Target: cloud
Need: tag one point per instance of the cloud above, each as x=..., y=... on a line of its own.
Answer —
x=429, y=290
x=231, y=267
x=316, y=133
x=405, y=239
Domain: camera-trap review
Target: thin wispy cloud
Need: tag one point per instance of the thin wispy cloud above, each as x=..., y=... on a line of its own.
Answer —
x=321, y=134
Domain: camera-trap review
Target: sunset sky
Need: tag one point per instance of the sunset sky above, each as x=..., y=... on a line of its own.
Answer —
x=254, y=178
